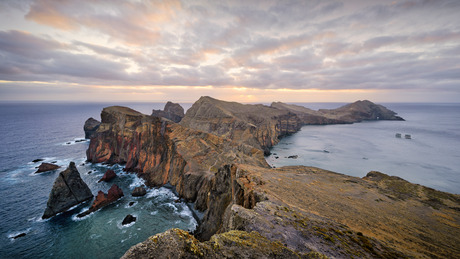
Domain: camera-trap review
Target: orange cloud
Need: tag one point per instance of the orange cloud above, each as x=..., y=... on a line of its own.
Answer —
x=47, y=12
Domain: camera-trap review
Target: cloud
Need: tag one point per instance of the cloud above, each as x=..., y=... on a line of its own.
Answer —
x=292, y=44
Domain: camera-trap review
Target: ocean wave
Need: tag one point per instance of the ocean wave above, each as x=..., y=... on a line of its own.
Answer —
x=75, y=141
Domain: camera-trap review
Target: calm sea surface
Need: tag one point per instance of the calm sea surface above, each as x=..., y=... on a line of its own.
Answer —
x=430, y=158
x=29, y=131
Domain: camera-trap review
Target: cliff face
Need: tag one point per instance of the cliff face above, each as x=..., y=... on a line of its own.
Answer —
x=162, y=152
x=257, y=125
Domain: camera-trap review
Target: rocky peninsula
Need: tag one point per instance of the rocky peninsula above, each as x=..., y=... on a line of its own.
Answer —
x=214, y=157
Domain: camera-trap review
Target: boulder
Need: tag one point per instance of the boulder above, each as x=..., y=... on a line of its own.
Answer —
x=90, y=127
x=109, y=175
x=103, y=199
x=139, y=191
x=37, y=160
x=128, y=219
x=45, y=167
x=68, y=190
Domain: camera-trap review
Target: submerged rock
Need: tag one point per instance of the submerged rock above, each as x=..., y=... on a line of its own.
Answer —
x=37, y=160
x=103, y=199
x=90, y=127
x=19, y=235
x=128, y=219
x=68, y=190
x=109, y=175
x=139, y=191
x=45, y=167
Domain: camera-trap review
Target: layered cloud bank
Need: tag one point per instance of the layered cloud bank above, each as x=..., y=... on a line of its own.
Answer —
x=244, y=50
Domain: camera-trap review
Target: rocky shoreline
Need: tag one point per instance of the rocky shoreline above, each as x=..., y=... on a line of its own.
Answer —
x=214, y=157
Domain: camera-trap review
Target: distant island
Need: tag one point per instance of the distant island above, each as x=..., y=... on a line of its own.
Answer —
x=213, y=155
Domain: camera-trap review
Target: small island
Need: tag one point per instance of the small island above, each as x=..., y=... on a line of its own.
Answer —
x=214, y=157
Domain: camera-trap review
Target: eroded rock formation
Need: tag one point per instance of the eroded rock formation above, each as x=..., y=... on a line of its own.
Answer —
x=45, y=167
x=103, y=199
x=139, y=191
x=109, y=175
x=68, y=190
x=90, y=127
x=172, y=111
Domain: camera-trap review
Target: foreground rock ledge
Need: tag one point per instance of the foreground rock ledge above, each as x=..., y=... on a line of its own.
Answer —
x=68, y=190
x=176, y=243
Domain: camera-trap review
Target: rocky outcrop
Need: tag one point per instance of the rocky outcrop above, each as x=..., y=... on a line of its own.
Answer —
x=103, y=199
x=172, y=111
x=45, y=167
x=108, y=176
x=350, y=113
x=257, y=125
x=176, y=243
x=68, y=190
x=90, y=127
x=128, y=219
x=163, y=152
x=139, y=191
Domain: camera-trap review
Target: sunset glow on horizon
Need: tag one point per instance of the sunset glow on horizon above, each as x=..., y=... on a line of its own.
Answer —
x=246, y=51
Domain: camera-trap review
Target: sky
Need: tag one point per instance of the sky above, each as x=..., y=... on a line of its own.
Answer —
x=246, y=51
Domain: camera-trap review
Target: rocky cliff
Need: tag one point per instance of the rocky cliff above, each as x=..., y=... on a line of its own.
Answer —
x=262, y=126
x=350, y=113
x=172, y=111
x=257, y=125
x=163, y=152
x=68, y=190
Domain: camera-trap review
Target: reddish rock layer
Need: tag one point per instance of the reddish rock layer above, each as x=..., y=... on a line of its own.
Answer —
x=45, y=167
x=109, y=175
x=103, y=199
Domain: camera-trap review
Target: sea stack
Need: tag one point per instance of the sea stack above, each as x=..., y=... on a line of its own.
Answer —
x=68, y=190
x=172, y=111
x=90, y=127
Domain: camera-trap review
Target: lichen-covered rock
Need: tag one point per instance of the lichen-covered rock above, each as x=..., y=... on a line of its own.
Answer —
x=176, y=243
x=90, y=127
x=172, y=111
x=45, y=167
x=68, y=190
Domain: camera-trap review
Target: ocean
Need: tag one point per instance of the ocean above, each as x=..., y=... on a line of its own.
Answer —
x=49, y=131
